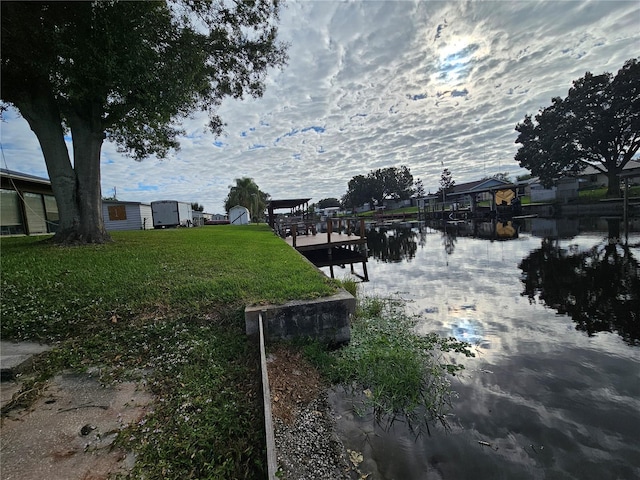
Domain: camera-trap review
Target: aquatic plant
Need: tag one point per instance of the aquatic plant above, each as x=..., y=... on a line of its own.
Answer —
x=391, y=370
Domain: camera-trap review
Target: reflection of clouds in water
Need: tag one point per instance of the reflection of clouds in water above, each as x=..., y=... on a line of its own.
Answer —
x=468, y=330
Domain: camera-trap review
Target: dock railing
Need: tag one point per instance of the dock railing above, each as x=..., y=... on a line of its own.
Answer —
x=349, y=226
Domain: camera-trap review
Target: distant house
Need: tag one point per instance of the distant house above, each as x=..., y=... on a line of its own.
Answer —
x=329, y=211
x=120, y=215
x=365, y=207
x=27, y=204
x=198, y=218
x=394, y=204
x=566, y=189
x=216, y=219
x=592, y=178
x=239, y=215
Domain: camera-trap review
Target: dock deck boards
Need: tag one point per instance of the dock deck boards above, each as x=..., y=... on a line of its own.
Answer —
x=319, y=241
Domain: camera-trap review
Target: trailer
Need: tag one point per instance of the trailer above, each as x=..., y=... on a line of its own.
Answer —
x=171, y=213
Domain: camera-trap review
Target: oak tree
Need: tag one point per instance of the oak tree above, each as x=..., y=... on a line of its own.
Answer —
x=597, y=124
x=126, y=72
x=379, y=185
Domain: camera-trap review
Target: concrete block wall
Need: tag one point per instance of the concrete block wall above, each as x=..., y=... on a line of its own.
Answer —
x=327, y=319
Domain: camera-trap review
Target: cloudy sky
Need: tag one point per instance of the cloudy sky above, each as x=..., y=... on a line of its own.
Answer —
x=374, y=84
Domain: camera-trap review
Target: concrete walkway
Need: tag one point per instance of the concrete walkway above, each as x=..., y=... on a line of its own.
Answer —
x=68, y=432
x=15, y=358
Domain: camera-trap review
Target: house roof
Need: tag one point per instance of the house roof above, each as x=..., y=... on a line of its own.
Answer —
x=124, y=202
x=485, y=185
x=23, y=176
x=631, y=165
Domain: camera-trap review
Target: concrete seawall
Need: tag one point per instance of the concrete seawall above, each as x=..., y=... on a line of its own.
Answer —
x=326, y=319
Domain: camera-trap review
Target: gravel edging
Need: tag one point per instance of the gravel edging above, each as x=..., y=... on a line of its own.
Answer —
x=309, y=448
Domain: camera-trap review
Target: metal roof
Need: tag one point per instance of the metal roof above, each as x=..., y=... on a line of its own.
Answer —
x=23, y=176
x=288, y=203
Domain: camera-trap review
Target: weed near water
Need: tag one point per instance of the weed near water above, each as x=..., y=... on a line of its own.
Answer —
x=390, y=369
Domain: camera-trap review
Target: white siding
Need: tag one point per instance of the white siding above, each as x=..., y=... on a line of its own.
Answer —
x=239, y=215
x=127, y=216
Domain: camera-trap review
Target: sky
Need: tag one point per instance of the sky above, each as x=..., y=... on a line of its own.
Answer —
x=376, y=84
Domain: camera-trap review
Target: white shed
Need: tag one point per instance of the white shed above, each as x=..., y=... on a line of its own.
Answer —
x=239, y=215
x=119, y=215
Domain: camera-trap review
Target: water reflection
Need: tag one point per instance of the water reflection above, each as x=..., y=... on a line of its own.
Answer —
x=598, y=288
x=550, y=401
x=392, y=245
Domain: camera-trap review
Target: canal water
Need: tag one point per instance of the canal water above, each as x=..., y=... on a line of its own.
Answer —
x=552, y=310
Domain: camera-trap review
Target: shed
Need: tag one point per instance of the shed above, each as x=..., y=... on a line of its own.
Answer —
x=239, y=215
x=119, y=215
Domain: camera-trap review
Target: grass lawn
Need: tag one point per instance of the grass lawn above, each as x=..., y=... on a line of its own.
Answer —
x=169, y=302
x=597, y=194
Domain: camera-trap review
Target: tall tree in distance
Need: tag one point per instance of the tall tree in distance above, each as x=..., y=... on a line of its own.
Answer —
x=127, y=72
x=328, y=202
x=446, y=183
x=379, y=185
x=246, y=193
x=418, y=188
x=597, y=124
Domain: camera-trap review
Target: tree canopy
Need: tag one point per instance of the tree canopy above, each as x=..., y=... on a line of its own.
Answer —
x=597, y=124
x=379, y=185
x=128, y=72
x=246, y=193
x=328, y=202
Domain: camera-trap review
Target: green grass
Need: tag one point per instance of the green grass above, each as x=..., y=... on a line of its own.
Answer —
x=597, y=194
x=403, y=210
x=48, y=290
x=167, y=302
x=394, y=372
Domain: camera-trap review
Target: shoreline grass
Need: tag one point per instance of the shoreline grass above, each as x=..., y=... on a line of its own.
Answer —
x=166, y=305
x=390, y=370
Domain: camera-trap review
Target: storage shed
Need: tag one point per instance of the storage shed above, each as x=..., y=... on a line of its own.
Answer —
x=239, y=215
x=120, y=215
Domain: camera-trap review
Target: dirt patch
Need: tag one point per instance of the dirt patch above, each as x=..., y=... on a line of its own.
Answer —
x=68, y=433
x=293, y=381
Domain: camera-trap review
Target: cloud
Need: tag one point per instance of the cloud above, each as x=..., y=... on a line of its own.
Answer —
x=378, y=84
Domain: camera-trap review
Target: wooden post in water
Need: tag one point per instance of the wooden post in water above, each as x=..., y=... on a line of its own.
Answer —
x=329, y=228
x=625, y=209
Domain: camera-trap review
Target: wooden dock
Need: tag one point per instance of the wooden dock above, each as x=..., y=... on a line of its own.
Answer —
x=333, y=247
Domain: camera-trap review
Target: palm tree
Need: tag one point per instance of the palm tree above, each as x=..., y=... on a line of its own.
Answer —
x=247, y=194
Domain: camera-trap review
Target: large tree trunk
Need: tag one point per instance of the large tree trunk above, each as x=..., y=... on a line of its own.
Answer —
x=77, y=191
x=613, y=187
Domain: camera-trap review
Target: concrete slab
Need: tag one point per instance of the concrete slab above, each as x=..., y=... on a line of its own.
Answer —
x=68, y=433
x=15, y=357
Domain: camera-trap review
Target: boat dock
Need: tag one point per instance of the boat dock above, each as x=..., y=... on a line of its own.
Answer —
x=325, y=242
x=336, y=245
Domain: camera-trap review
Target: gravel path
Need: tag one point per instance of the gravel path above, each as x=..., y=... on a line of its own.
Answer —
x=308, y=448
